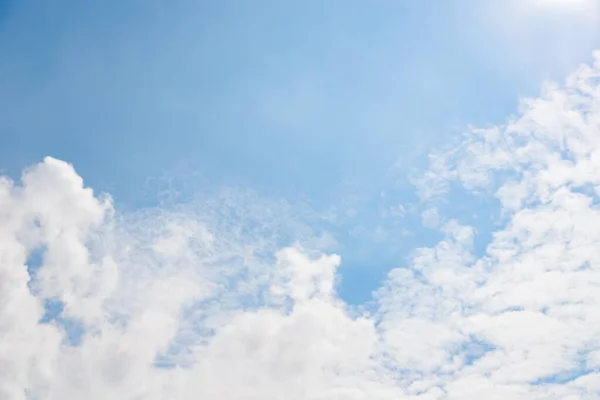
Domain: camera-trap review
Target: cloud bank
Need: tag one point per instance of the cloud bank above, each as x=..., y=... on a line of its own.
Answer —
x=203, y=303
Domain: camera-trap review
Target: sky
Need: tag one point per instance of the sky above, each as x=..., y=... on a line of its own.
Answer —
x=301, y=200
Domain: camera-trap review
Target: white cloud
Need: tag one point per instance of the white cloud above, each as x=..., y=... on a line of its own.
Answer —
x=203, y=288
x=202, y=302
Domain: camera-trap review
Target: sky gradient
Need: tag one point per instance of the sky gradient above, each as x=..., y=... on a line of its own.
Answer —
x=357, y=200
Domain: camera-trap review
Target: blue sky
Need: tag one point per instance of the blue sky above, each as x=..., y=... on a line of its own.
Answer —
x=329, y=103
x=326, y=102
x=303, y=200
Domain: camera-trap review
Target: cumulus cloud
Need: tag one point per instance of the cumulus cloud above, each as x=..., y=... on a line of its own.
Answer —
x=169, y=304
x=205, y=302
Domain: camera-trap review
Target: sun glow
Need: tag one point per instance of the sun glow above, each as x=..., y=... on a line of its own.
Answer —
x=563, y=9
x=564, y=4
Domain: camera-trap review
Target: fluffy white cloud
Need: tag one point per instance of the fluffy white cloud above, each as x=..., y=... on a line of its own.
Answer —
x=163, y=305
x=201, y=302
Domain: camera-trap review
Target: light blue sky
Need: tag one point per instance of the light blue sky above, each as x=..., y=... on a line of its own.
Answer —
x=327, y=103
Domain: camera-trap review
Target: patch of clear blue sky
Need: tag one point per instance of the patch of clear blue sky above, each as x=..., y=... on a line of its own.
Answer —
x=316, y=99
